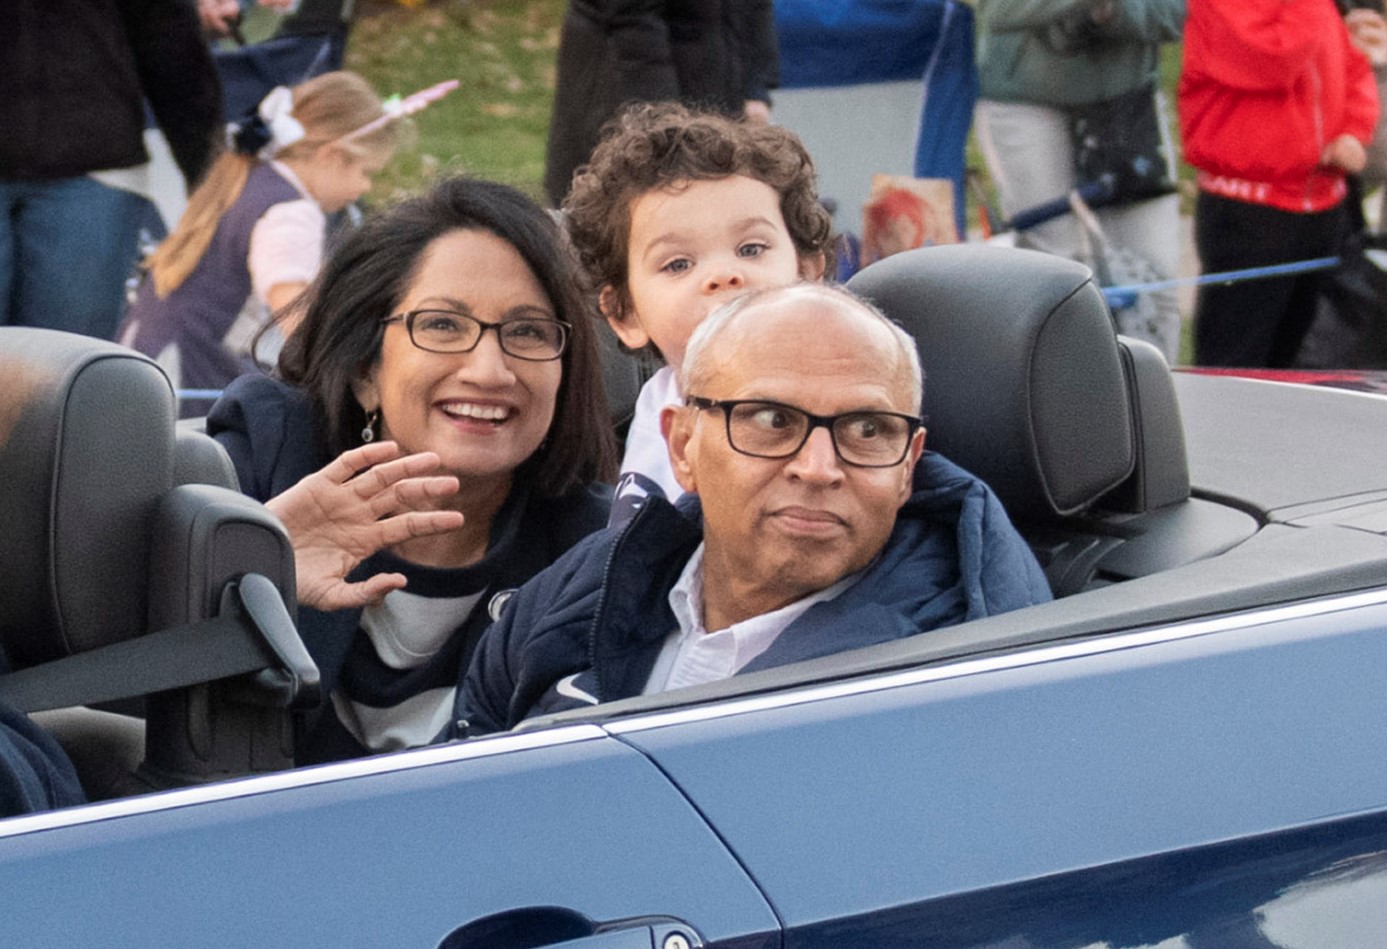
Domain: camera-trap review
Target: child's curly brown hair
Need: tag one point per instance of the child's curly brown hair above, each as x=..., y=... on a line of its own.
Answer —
x=648, y=147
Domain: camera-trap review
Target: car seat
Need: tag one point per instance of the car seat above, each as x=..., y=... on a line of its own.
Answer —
x=134, y=568
x=1077, y=429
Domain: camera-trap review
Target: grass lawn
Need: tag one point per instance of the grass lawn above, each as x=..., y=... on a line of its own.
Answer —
x=494, y=125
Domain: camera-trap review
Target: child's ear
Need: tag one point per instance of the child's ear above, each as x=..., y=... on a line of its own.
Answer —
x=624, y=321
x=812, y=266
x=330, y=152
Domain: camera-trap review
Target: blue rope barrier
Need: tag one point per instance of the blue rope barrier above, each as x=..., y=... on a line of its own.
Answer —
x=1124, y=296
x=186, y=394
x=1117, y=298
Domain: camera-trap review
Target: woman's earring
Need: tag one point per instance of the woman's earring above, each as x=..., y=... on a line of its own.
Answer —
x=368, y=434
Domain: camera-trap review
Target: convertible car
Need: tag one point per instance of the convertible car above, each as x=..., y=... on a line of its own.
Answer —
x=1187, y=748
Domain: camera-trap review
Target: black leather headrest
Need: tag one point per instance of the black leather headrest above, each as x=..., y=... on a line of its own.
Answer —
x=1023, y=381
x=198, y=459
x=623, y=374
x=86, y=443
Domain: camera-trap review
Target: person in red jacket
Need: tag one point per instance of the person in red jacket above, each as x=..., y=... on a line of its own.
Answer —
x=1276, y=107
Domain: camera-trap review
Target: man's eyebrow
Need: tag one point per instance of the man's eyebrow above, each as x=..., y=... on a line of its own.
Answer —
x=861, y=408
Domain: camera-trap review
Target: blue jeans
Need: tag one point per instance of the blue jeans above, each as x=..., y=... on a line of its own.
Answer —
x=66, y=249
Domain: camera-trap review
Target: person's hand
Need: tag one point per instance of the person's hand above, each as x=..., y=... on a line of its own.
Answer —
x=218, y=15
x=1368, y=30
x=756, y=112
x=1345, y=153
x=369, y=498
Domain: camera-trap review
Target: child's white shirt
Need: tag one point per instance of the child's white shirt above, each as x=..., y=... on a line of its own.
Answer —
x=286, y=244
x=645, y=468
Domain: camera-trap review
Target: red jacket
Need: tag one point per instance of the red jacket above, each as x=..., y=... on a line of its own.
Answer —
x=1265, y=85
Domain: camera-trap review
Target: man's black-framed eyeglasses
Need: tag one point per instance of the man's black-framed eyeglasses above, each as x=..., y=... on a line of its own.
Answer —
x=765, y=429
x=446, y=331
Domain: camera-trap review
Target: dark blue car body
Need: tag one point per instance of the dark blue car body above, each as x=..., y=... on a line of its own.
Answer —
x=1224, y=782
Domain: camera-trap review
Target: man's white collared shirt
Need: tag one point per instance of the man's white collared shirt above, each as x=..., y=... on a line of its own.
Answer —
x=691, y=655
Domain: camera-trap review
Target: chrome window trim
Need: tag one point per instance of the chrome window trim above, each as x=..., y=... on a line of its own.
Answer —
x=1098, y=644
x=298, y=778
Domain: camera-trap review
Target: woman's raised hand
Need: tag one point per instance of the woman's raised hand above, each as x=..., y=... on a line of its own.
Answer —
x=368, y=498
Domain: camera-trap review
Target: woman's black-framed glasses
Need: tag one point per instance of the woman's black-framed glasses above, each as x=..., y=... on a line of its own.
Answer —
x=446, y=331
x=764, y=429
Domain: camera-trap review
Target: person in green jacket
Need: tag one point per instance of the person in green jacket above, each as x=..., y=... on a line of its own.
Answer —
x=1055, y=74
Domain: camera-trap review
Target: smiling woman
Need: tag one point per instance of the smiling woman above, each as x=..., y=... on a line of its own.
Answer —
x=482, y=409
x=473, y=458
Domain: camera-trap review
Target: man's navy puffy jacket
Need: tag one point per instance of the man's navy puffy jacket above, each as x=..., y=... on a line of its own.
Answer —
x=589, y=628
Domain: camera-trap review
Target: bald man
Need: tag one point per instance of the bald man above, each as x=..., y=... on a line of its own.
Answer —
x=815, y=522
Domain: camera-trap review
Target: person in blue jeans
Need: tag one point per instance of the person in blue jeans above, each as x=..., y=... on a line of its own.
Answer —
x=74, y=148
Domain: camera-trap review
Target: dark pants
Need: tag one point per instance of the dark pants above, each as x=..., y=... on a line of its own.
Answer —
x=1258, y=322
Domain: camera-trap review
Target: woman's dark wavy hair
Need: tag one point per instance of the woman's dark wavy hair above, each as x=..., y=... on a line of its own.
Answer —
x=652, y=146
x=366, y=279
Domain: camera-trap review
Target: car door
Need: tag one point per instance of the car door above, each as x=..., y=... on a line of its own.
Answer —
x=516, y=840
x=1207, y=783
x=1219, y=783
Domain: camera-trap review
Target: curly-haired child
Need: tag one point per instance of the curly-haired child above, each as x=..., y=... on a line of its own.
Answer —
x=677, y=212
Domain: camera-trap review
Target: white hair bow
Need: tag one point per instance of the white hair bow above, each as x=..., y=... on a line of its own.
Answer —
x=277, y=112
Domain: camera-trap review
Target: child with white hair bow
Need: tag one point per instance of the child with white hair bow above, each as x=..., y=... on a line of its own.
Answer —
x=252, y=236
